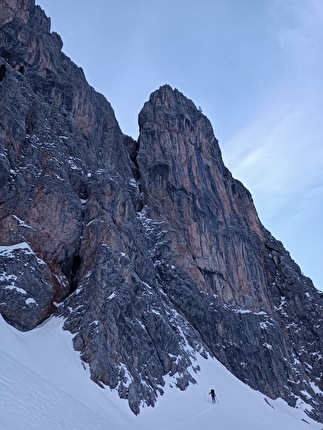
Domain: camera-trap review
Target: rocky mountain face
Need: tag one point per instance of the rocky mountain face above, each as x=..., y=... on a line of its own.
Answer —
x=150, y=249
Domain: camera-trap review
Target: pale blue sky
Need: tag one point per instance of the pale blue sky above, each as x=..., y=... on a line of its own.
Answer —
x=256, y=69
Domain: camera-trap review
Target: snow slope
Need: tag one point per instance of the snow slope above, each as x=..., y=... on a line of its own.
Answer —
x=44, y=385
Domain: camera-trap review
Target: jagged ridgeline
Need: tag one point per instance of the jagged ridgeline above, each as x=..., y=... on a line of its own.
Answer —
x=150, y=249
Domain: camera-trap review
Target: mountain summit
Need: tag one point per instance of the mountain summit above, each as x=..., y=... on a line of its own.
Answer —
x=151, y=251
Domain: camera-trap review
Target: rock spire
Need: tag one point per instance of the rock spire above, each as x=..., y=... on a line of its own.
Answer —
x=150, y=249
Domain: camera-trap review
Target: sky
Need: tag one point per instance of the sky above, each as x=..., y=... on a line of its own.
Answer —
x=44, y=385
x=254, y=67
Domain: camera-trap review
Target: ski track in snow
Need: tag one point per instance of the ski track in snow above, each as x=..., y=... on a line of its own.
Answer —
x=39, y=402
x=185, y=422
x=43, y=386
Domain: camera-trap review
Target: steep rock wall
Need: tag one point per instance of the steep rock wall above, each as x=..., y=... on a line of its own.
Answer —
x=58, y=139
x=150, y=250
x=242, y=289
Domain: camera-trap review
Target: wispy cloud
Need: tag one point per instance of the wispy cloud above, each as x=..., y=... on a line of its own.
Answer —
x=281, y=149
x=278, y=155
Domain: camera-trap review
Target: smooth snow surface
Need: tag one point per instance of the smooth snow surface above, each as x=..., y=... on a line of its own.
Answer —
x=44, y=386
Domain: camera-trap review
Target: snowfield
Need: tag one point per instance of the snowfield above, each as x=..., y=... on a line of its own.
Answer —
x=45, y=386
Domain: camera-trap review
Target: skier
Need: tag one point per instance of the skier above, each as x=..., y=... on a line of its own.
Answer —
x=212, y=392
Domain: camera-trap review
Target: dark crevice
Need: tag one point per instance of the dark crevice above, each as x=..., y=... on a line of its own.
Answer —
x=3, y=71
x=132, y=147
x=270, y=248
x=133, y=150
x=73, y=279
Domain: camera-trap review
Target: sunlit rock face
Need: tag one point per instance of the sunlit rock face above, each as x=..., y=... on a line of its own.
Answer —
x=221, y=269
x=150, y=249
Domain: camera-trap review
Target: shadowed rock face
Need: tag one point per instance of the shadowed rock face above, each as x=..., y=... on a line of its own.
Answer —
x=59, y=139
x=149, y=249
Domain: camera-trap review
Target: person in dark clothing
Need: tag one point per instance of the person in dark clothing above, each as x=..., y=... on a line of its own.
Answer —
x=212, y=393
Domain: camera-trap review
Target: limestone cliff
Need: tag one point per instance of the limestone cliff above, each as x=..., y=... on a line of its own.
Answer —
x=150, y=249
